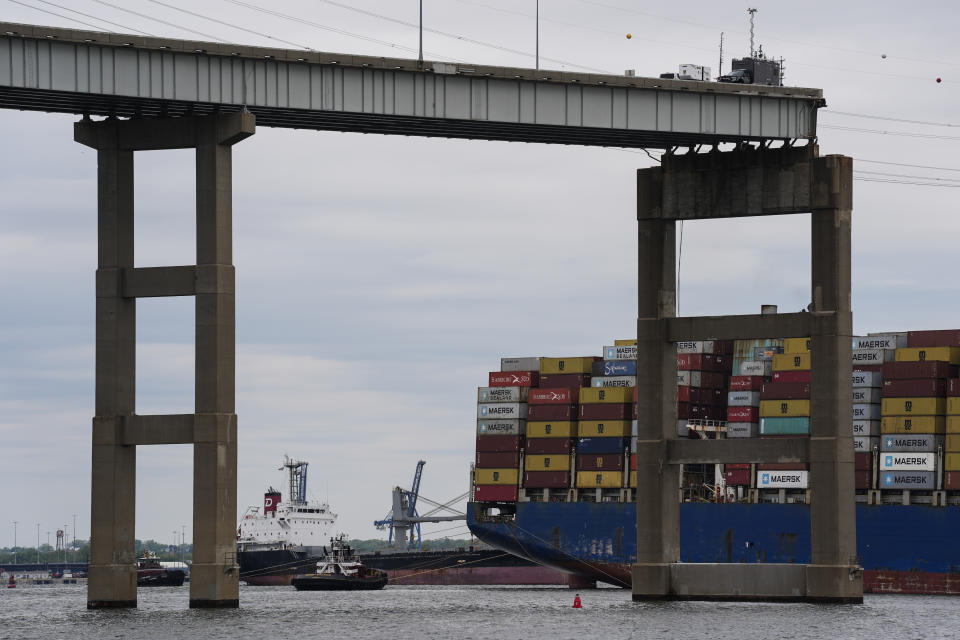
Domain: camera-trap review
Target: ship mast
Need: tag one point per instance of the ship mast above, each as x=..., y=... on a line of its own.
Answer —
x=297, y=474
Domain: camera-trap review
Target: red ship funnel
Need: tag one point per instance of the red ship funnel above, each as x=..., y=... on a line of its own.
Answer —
x=270, y=501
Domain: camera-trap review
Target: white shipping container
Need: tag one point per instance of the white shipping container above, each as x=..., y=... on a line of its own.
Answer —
x=620, y=352
x=503, y=411
x=743, y=399
x=698, y=346
x=866, y=427
x=614, y=381
x=501, y=427
x=908, y=461
x=872, y=356
x=502, y=394
x=866, y=412
x=519, y=364
x=866, y=395
x=688, y=378
x=880, y=341
x=867, y=379
x=742, y=429
x=865, y=444
x=756, y=368
x=634, y=433
x=798, y=479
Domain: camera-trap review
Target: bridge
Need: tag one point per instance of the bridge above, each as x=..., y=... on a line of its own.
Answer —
x=157, y=93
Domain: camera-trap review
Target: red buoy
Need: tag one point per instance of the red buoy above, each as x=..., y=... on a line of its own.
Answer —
x=576, y=602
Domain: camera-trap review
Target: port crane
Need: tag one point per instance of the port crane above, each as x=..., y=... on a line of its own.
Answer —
x=403, y=520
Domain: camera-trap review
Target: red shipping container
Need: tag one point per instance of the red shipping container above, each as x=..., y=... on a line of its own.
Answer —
x=547, y=446
x=634, y=411
x=604, y=411
x=700, y=395
x=951, y=480
x=737, y=465
x=953, y=387
x=862, y=479
x=791, y=376
x=568, y=380
x=703, y=362
x=915, y=388
x=498, y=443
x=738, y=477
x=863, y=461
x=746, y=383
x=494, y=493
x=743, y=414
x=633, y=462
x=941, y=338
x=785, y=391
x=560, y=395
x=783, y=466
x=552, y=412
x=918, y=369
x=546, y=479
x=514, y=379
x=600, y=462
x=498, y=460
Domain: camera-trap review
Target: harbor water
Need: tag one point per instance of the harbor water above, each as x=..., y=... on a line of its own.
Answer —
x=59, y=611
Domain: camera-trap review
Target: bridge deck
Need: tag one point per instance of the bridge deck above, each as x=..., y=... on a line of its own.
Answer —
x=87, y=72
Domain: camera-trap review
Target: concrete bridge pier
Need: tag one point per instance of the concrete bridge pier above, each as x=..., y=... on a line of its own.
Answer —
x=117, y=428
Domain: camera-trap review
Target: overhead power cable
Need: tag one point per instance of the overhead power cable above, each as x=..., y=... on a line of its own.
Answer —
x=228, y=24
x=888, y=118
x=907, y=134
x=317, y=25
x=455, y=36
x=169, y=24
x=904, y=164
x=906, y=175
x=54, y=13
x=910, y=182
x=87, y=15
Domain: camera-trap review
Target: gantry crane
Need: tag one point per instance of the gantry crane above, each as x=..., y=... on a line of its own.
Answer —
x=404, y=521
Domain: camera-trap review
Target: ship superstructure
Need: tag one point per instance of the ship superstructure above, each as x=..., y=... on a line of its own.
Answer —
x=296, y=524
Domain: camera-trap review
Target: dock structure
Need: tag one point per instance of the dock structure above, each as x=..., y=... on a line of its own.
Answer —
x=158, y=93
x=740, y=183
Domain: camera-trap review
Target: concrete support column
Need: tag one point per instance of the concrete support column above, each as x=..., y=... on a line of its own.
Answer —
x=658, y=537
x=113, y=561
x=214, y=573
x=832, y=573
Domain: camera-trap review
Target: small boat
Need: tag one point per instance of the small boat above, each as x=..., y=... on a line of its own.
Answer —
x=12, y=583
x=341, y=570
x=150, y=573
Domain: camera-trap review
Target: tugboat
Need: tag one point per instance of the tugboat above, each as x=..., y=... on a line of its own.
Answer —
x=150, y=573
x=341, y=570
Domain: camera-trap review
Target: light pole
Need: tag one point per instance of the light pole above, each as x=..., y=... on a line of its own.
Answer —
x=48, y=542
x=14, y=542
x=538, y=33
x=420, y=57
x=38, y=544
x=73, y=547
x=183, y=535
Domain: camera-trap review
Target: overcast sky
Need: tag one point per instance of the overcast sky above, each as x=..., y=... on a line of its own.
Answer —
x=380, y=278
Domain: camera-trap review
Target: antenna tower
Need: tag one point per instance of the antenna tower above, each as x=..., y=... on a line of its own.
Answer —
x=752, y=12
x=720, y=66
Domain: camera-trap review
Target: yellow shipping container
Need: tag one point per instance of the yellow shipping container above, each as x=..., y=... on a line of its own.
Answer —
x=953, y=424
x=605, y=428
x=497, y=476
x=611, y=395
x=633, y=478
x=944, y=354
x=784, y=408
x=796, y=345
x=953, y=406
x=951, y=462
x=566, y=365
x=953, y=442
x=791, y=361
x=599, y=479
x=552, y=462
x=548, y=429
x=912, y=424
x=913, y=406
x=625, y=342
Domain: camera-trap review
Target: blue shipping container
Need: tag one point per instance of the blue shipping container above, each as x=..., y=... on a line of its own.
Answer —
x=784, y=426
x=601, y=445
x=619, y=367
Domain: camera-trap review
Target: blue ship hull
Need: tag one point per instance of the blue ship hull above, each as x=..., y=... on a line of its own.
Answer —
x=903, y=549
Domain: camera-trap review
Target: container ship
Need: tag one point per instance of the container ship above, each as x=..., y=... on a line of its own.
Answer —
x=282, y=539
x=554, y=474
